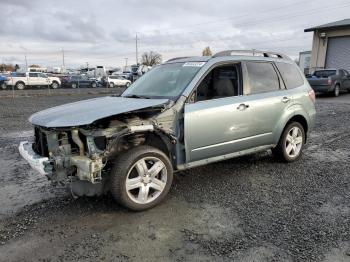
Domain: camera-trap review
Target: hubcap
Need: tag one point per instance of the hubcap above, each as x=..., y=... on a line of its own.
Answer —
x=20, y=86
x=146, y=180
x=294, y=142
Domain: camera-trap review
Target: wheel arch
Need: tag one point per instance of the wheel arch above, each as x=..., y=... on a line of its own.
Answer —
x=154, y=139
x=298, y=117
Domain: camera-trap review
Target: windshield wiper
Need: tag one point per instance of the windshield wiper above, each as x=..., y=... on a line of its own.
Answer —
x=136, y=96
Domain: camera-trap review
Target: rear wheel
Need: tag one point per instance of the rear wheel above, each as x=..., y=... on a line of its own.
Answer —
x=93, y=85
x=74, y=85
x=141, y=178
x=336, y=90
x=127, y=84
x=111, y=84
x=20, y=86
x=55, y=85
x=3, y=86
x=291, y=143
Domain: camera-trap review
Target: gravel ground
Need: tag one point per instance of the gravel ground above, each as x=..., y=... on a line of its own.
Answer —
x=245, y=209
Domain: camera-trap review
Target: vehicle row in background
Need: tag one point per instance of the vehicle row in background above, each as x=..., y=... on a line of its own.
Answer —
x=330, y=81
x=81, y=79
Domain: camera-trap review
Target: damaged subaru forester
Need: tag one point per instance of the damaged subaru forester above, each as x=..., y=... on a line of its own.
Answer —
x=184, y=113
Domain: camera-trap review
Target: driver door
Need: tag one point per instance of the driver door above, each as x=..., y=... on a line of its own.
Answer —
x=214, y=123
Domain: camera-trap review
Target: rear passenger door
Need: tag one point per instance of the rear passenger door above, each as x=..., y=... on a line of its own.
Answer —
x=265, y=99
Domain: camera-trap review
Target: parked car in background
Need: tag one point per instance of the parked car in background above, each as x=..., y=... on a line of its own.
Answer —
x=30, y=79
x=118, y=81
x=182, y=114
x=331, y=81
x=75, y=81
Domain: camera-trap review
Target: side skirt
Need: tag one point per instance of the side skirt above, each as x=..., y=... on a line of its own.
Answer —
x=223, y=157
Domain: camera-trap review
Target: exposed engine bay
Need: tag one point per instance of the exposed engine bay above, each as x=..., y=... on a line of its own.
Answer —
x=82, y=156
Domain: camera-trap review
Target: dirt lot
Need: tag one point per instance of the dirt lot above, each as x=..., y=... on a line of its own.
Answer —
x=246, y=209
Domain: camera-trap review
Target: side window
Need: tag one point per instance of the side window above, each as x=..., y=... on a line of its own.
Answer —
x=290, y=75
x=33, y=74
x=262, y=77
x=346, y=73
x=222, y=81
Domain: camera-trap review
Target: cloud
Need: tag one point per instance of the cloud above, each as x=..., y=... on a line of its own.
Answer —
x=103, y=32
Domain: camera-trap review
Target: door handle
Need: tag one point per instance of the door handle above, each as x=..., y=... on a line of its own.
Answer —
x=285, y=99
x=242, y=107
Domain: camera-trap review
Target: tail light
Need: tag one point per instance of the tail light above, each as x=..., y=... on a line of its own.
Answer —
x=329, y=81
x=312, y=95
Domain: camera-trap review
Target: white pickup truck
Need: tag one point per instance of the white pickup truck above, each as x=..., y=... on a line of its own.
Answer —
x=22, y=80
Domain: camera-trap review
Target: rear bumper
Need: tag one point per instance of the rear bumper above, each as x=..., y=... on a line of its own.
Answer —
x=322, y=88
x=34, y=160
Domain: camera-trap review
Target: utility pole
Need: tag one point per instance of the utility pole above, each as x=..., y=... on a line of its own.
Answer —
x=126, y=63
x=25, y=58
x=87, y=66
x=137, y=51
x=63, y=62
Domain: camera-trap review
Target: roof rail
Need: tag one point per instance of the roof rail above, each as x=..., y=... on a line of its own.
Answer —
x=252, y=52
x=177, y=58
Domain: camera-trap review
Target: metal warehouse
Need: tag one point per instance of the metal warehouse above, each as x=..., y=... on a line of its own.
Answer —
x=331, y=45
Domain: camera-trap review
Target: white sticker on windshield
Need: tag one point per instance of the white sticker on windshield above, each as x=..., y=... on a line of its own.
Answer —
x=194, y=64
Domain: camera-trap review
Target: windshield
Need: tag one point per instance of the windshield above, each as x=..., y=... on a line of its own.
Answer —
x=163, y=81
x=325, y=73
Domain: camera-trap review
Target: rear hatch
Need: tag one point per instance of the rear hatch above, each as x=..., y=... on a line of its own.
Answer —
x=321, y=77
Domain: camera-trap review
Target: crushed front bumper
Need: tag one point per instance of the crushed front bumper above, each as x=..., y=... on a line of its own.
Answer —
x=36, y=161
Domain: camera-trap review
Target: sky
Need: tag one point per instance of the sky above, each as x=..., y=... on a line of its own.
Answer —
x=103, y=32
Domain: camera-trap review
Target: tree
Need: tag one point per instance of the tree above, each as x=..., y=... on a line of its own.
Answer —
x=207, y=52
x=151, y=58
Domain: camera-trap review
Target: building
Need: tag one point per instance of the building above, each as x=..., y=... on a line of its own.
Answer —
x=304, y=61
x=331, y=45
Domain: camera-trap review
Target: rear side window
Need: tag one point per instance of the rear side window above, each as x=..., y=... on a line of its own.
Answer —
x=290, y=75
x=325, y=73
x=33, y=74
x=262, y=77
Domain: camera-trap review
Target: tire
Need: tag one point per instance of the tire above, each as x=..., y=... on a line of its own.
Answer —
x=93, y=85
x=3, y=86
x=125, y=169
x=283, y=151
x=127, y=84
x=55, y=85
x=336, y=90
x=111, y=84
x=74, y=85
x=20, y=85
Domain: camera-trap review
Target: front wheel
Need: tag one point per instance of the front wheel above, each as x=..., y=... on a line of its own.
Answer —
x=74, y=85
x=111, y=84
x=93, y=85
x=127, y=84
x=290, y=145
x=141, y=178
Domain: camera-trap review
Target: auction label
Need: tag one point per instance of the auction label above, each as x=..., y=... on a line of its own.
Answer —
x=194, y=64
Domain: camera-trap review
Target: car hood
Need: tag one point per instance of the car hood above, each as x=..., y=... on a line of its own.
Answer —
x=87, y=111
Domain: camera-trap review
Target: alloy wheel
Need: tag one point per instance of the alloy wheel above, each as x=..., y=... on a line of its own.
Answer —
x=294, y=142
x=146, y=180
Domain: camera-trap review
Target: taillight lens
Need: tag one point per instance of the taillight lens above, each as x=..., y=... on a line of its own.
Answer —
x=329, y=81
x=312, y=95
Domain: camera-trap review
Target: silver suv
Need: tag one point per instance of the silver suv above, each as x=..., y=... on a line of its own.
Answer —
x=184, y=113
